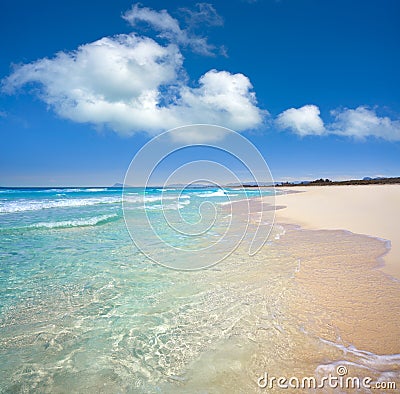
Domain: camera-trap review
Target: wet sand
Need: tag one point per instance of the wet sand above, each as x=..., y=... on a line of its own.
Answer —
x=349, y=288
x=343, y=297
x=371, y=209
x=308, y=302
x=322, y=301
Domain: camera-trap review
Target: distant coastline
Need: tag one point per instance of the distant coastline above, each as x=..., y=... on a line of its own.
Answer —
x=317, y=182
x=328, y=182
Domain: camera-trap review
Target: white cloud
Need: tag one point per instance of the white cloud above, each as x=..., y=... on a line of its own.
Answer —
x=206, y=14
x=222, y=98
x=134, y=84
x=363, y=122
x=169, y=27
x=358, y=123
x=302, y=121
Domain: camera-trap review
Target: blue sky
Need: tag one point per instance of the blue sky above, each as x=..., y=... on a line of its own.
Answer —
x=313, y=84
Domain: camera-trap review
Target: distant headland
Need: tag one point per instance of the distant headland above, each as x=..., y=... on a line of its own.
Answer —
x=328, y=182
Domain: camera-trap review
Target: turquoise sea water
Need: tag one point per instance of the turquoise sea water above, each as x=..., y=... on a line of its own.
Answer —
x=81, y=306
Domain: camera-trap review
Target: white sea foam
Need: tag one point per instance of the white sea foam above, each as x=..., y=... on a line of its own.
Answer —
x=53, y=190
x=82, y=222
x=225, y=203
x=74, y=190
x=149, y=199
x=96, y=189
x=218, y=193
x=362, y=359
x=23, y=205
x=233, y=201
x=171, y=206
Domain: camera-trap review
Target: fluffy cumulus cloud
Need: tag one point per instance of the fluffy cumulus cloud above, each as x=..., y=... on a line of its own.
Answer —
x=357, y=123
x=133, y=83
x=363, y=122
x=302, y=121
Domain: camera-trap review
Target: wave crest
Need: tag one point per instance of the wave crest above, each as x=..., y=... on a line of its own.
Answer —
x=94, y=221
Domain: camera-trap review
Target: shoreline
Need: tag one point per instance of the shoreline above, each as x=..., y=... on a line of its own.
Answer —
x=348, y=279
x=369, y=210
x=343, y=296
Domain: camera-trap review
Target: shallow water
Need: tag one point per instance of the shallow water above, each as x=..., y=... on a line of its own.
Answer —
x=82, y=310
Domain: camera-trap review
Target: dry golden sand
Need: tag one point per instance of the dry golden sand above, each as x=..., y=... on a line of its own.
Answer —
x=345, y=295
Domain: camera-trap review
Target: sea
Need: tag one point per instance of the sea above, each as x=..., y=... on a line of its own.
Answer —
x=87, y=304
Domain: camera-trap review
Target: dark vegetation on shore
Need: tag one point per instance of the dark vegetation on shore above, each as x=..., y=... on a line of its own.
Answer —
x=328, y=182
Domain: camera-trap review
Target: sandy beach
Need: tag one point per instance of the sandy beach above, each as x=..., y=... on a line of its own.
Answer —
x=372, y=210
x=347, y=283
